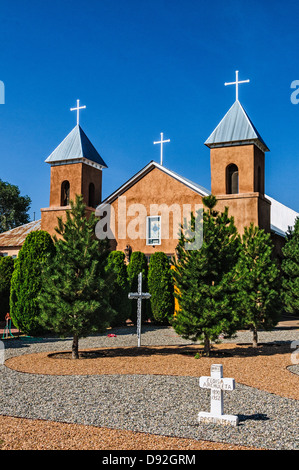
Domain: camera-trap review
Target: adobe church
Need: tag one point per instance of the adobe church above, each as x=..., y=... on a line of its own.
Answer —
x=148, y=208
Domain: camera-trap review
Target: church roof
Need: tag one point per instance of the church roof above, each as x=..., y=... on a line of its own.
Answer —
x=282, y=217
x=149, y=167
x=16, y=236
x=76, y=147
x=234, y=129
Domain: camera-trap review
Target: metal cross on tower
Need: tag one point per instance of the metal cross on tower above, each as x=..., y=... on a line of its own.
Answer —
x=161, y=151
x=237, y=82
x=78, y=110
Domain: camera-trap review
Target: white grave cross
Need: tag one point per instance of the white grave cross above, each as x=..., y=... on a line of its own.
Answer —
x=139, y=296
x=217, y=384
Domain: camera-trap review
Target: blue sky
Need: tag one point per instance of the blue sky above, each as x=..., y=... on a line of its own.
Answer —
x=141, y=68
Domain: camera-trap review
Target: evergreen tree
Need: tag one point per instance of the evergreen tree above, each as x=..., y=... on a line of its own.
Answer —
x=138, y=264
x=26, y=282
x=257, y=283
x=13, y=207
x=120, y=287
x=6, y=270
x=76, y=287
x=290, y=270
x=160, y=286
x=201, y=277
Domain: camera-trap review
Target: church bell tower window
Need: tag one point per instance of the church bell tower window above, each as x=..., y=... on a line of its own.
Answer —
x=65, y=193
x=232, y=179
x=91, y=195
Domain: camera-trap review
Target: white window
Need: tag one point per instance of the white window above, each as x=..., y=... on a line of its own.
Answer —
x=153, y=230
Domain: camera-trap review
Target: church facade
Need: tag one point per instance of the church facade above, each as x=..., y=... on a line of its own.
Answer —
x=145, y=213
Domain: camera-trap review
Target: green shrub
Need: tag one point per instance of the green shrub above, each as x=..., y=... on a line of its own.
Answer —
x=119, y=295
x=290, y=271
x=26, y=281
x=75, y=297
x=6, y=270
x=160, y=285
x=138, y=263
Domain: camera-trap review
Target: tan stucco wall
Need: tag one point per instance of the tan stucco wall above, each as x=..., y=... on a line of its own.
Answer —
x=156, y=187
x=246, y=209
x=246, y=157
x=79, y=176
x=49, y=218
x=10, y=250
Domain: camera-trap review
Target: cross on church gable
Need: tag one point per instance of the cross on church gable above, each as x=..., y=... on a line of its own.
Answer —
x=161, y=149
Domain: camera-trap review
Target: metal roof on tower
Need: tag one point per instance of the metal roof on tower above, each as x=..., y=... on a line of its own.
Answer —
x=235, y=128
x=74, y=148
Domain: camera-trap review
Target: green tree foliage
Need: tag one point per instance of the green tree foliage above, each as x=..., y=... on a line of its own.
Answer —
x=6, y=270
x=26, y=281
x=138, y=264
x=201, y=277
x=120, y=287
x=13, y=207
x=76, y=287
x=160, y=286
x=256, y=283
x=290, y=270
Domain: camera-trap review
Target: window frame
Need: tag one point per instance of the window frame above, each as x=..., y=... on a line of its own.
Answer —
x=147, y=230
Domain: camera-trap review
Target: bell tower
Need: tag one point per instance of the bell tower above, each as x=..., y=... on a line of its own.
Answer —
x=76, y=168
x=237, y=155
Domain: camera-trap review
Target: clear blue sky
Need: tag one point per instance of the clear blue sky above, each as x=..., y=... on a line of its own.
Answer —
x=141, y=68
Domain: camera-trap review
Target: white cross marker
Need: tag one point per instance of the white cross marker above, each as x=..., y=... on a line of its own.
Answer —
x=161, y=151
x=216, y=383
x=139, y=296
x=78, y=109
x=237, y=84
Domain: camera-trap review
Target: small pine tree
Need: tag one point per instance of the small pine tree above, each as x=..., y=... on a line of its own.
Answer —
x=160, y=286
x=6, y=270
x=76, y=287
x=119, y=300
x=257, y=283
x=290, y=271
x=138, y=264
x=200, y=276
x=26, y=282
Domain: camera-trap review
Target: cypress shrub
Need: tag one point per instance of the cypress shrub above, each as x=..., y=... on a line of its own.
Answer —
x=120, y=287
x=6, y=270
x=160, y=285
x=290, y=271
x=26, y=282
x=138, y=263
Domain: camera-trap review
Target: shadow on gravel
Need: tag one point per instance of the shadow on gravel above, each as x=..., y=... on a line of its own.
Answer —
x=254, y=417
x=195, y=351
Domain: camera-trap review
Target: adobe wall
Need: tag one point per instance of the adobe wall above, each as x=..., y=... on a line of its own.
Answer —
x=49, y=218
x=247, y=157
x=60, y=173
x=246, y=209
x=155, y=188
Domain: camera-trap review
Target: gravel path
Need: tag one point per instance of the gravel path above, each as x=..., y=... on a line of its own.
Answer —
x=164, y=405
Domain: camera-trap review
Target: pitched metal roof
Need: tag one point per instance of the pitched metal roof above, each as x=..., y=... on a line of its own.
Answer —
x=234, y=129
x=282, y=217
x=76, y=146
x=16, y=236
